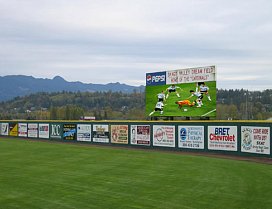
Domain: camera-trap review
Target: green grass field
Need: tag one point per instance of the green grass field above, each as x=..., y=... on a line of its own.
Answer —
x=57, y=175
x=171, y=109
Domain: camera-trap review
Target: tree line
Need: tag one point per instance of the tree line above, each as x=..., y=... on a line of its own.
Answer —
x=231, y=104
x=72, y=106
x=243, y=104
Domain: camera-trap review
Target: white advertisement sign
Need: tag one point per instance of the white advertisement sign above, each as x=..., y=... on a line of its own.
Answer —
x=22, y=129
x=140, y=135
x=5, y=129
x=191, y=137
x=164, y=136
x=101, y=133
x=44, y=130
x=32, y=130
x=222, y=138
x=84, y=132
x=191, y=75
x=255, y=139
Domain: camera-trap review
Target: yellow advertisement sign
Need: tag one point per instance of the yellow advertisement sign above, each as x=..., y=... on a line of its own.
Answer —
x=13, y=129
x=119, y=134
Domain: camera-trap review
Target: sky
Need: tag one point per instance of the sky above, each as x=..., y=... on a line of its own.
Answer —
x=108, y=41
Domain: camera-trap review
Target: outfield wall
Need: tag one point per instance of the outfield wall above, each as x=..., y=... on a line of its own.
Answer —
x=244, y=138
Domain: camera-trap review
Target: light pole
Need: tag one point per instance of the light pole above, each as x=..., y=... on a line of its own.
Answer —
x=246, y=94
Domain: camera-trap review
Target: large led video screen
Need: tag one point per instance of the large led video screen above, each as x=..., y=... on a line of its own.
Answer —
x=187, y=92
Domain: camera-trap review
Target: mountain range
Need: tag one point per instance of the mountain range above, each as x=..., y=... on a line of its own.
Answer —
x=20, y=85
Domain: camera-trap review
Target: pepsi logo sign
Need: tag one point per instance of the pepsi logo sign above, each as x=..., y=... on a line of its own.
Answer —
x=156, y=78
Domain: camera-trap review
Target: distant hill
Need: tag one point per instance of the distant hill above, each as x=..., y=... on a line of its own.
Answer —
x=19, y=85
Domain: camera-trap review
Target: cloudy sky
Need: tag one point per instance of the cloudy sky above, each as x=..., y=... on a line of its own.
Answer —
x=103, y=41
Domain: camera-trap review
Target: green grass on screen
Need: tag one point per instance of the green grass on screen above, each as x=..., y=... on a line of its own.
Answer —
x=171, y=109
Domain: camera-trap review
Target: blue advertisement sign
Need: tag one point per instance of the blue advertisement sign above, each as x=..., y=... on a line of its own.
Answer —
x=155, y=79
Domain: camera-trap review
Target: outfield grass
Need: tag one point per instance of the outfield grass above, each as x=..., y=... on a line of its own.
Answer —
x=171, y=109
x=55, y=175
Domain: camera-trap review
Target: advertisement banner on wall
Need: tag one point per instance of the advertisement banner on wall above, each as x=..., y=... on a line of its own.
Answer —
x=69, y=131
x=43, y=130
x=119, y=134
x=32, y=130
x=84, y=132
x=222, y=138
x=22, y=129
x=13, y=129
x=101, y=133
x=164, y=136
x=191, y=137
x=5, y=129
x=255, y=139
x=140, y=135
x=56, y=131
